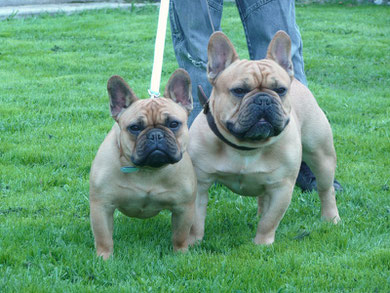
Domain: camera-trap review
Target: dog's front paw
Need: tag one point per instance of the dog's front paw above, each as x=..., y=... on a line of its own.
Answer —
x=261, y=239
x=105, y=254
x=330, y=213
x=193, y=239
x=332, y=218
x=180, y=246
x=180, y=249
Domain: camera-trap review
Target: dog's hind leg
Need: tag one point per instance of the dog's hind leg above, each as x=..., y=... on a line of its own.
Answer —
x=322, y=161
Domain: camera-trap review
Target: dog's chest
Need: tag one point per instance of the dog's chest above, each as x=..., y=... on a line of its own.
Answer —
x=143, y=202
x=250, y=184
x=249, y=175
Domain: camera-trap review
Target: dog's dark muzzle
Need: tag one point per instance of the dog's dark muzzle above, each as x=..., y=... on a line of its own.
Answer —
x=156, y=149
x=259, y=117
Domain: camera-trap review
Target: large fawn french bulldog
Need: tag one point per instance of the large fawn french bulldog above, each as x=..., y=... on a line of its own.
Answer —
x=256, y=128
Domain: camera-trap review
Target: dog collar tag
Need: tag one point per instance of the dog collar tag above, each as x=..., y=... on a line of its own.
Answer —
x=129, y=169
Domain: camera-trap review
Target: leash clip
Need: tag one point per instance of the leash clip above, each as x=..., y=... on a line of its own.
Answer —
x=153, y=94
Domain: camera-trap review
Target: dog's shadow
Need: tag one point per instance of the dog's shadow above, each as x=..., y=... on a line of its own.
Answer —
x=231, y=222
x=136, y=235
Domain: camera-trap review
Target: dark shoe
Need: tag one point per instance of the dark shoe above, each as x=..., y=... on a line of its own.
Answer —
x=307, y=181
x=337, y=186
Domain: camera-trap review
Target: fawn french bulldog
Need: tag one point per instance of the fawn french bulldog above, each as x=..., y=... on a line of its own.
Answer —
x=142, y=166
x=256, y=128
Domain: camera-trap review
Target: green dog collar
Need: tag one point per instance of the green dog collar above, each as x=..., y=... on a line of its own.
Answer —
x=129, y=169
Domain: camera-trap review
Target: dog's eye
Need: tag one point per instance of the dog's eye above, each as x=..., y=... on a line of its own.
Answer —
x=174, y=125
x=134, y=128
x=239, y=92
x=281, y=91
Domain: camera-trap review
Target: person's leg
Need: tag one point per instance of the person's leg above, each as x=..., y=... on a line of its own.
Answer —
x=262, y=19
x=191, y=30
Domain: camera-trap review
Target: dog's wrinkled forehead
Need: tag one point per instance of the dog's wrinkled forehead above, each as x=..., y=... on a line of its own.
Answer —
x=253, y=74
x=153, y=112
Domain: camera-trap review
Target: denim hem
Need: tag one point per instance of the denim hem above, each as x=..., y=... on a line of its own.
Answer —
x=254, y=7
x=213, y=4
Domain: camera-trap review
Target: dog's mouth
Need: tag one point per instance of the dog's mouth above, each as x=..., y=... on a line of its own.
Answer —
x=261, y=130
x=156, y=159
x=257, y=131
x=260, y=117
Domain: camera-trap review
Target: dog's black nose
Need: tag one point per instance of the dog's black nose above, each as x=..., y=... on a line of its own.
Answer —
x=155, y=135
x=263, y=100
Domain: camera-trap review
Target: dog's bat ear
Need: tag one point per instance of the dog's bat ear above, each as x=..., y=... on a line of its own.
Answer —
x=221, y=54
x=279, y=50
x=178, y=89
x=121, y=95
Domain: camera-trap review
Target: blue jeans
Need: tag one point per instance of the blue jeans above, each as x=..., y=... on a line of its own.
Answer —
x=261, y=19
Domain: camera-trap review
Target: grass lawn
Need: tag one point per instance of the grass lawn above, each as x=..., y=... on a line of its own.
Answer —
x=54, y=113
